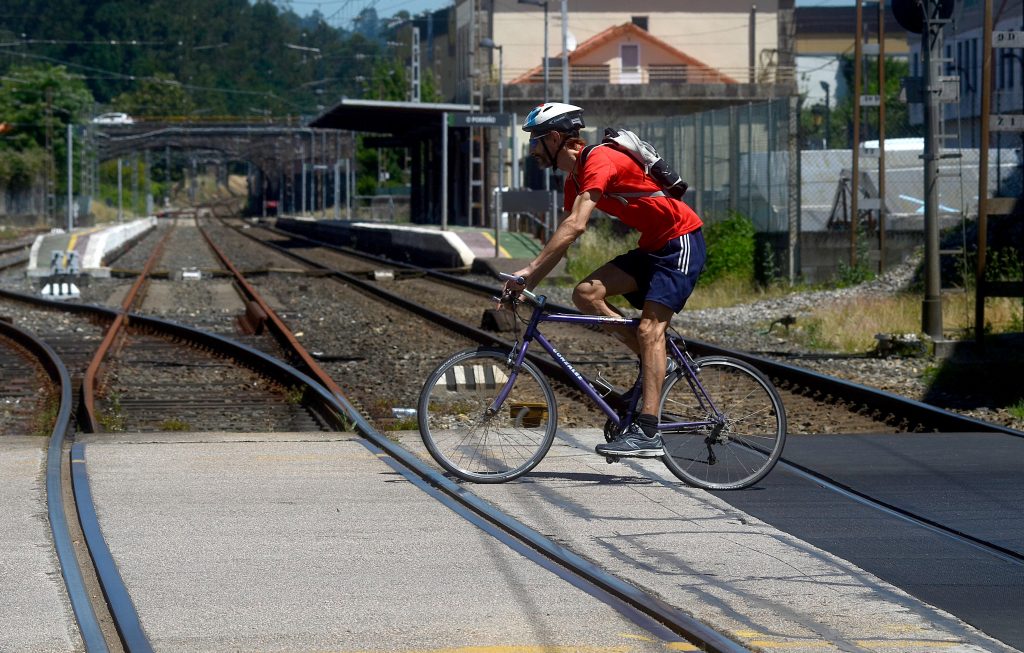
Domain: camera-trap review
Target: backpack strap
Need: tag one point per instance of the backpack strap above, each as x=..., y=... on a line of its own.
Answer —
x=580, y=162
x=622, y=197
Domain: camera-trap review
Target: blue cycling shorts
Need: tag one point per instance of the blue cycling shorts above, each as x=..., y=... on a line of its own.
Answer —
x=668, y=275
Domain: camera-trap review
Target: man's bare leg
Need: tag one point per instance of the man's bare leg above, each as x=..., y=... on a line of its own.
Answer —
x=590, y=296
x=654, y=322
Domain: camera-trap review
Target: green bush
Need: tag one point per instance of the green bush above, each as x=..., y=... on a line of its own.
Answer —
x=19, y=168
x=730, y=245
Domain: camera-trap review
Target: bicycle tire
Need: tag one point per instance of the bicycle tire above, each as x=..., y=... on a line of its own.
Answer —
x=480, y=448
x=752, y=434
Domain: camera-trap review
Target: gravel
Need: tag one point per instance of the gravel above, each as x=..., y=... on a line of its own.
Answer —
x=745, y=327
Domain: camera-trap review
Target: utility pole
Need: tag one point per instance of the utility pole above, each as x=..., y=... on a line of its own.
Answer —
x=881, y=137
x=931, y=49
x=49, y=169
x=71, y=178
x=855, y=145
x=415, y=77
x=120, y=193
x=752, y=45
x=565, y=51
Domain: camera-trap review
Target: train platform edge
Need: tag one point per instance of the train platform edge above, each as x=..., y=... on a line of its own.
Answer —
x=82, y=251
x=424, y=245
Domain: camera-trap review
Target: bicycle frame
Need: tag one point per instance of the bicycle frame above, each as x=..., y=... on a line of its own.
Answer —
x=518, y=353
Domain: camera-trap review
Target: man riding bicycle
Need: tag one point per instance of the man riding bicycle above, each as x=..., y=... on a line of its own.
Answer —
x=657, y=277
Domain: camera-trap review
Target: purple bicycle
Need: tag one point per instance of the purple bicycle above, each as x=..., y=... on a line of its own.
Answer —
x=488, y=415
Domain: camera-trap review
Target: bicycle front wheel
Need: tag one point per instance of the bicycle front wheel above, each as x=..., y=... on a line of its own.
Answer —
x=469, y=441
x=734, y=448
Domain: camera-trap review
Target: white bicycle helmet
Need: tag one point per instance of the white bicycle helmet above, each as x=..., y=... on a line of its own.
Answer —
x=554, y=116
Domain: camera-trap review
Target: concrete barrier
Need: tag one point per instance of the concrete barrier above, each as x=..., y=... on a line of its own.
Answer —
x=110, y=240
x=412, y=244
x=98, y=245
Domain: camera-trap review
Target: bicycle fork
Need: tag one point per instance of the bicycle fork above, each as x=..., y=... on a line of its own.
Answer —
x=514, y=363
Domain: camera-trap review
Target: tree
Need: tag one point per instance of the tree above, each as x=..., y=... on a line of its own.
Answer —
x=36, y=102
x=159, y=95
x=36, y=98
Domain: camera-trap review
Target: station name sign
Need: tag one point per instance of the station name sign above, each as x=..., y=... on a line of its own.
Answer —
x=479, y=119
x=1008, y=39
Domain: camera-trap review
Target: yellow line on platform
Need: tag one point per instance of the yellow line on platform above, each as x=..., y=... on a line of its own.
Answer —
x=501, y=249
x=74, y=237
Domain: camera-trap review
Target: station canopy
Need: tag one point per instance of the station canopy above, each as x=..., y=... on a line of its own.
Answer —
x=386, y=117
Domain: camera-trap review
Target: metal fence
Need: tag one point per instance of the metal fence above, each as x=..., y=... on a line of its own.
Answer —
x=734, y=159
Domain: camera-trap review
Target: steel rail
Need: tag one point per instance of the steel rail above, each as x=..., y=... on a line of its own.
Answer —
x=927, y=416
x=88, y=624
x=480, y=336
x=122, y=610
x=675, y=620
x=281, y=332
x=89, y=418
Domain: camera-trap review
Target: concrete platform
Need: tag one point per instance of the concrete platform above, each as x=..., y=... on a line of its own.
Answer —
x=90, y=245
x=313, y=542
x=35, y=613
x=426, y=245
x=308, y=542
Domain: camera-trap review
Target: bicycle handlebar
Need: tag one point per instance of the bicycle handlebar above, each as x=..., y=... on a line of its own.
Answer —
x=534, y=299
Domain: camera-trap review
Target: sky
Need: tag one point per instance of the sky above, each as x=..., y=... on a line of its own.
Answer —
x=341, y=12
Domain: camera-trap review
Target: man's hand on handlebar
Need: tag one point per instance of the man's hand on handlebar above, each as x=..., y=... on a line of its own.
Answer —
x=514, y=284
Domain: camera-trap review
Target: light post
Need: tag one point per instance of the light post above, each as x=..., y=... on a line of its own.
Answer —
x=565, y=51
x=542, y=3
x=828, y=112
x=491, y=45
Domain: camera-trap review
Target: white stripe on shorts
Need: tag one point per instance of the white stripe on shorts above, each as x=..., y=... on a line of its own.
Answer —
x=684, y=253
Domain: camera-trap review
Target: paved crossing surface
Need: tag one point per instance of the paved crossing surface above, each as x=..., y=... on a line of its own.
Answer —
x=969, y=482
x=309, y=542
x=35, y=613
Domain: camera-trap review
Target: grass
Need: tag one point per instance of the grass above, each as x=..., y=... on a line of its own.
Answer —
x=1017, y=409
x=847, y=326
x=174, y=424
x=6, y=233
x=731, y=291
x=112, y=419
x=850, y=326
x=44, y=420
x=595, y=247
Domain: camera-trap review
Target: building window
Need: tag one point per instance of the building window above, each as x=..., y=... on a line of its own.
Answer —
x=640, y=21
x=630, y=54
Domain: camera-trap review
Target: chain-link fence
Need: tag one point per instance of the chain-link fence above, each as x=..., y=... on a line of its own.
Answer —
x=734, y=159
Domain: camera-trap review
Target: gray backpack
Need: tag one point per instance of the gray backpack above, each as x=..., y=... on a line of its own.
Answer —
x=647, y=158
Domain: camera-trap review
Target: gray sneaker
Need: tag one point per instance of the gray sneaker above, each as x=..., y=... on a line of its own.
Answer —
x=633, y=443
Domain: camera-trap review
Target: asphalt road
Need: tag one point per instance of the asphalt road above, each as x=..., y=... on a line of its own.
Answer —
x=970, y=483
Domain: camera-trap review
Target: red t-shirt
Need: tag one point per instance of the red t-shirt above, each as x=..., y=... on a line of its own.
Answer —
x=658, y=219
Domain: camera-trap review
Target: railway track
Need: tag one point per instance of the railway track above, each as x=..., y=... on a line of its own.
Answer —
x=820, y=404
x=642, y=608
x=410, y=465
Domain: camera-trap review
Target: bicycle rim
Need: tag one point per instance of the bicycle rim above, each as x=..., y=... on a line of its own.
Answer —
x=744, y=446
x=467, y=442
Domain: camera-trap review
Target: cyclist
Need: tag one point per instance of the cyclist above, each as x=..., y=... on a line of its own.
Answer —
x=657, y=277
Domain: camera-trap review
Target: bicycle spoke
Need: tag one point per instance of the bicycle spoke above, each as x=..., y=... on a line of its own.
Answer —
x=740, y=450
x=492, y=447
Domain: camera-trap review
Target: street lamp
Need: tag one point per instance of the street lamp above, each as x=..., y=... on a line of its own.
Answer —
x=491, y=45
x=542, y=3
x=828, y=112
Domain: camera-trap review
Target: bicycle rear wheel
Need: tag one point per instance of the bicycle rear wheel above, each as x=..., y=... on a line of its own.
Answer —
x=472, y=444
x=743, y=444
